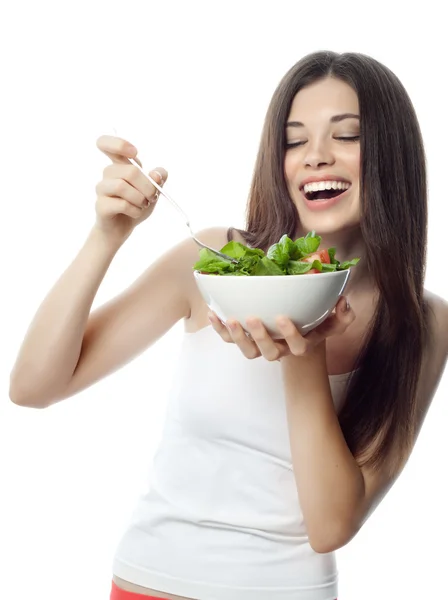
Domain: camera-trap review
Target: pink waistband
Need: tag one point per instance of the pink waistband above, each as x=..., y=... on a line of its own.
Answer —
x=119, y=594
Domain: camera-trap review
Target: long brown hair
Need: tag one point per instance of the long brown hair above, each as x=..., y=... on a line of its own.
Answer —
x=379, y=415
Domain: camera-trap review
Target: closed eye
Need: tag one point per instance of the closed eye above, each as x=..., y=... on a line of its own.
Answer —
x=353, y=138
x=294, y=144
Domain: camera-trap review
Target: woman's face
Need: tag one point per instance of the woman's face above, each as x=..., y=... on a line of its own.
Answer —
x=322, y=160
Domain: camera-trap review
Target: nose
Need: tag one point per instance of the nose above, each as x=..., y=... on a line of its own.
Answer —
x=317, y=154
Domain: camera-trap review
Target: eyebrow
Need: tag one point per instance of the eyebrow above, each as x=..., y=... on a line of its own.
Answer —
x=335, y=119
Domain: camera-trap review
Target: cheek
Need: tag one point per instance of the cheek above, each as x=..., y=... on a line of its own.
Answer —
x=290, y=169
x=354, y=161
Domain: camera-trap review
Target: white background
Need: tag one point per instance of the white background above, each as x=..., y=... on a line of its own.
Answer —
x=188, y=83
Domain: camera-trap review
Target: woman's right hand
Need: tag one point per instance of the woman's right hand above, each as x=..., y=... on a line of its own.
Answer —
x=125, y=197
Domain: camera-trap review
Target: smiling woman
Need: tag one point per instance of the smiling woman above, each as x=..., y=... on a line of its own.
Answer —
x=275, y=451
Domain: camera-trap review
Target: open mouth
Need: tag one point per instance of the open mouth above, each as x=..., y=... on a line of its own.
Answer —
x=324, y=190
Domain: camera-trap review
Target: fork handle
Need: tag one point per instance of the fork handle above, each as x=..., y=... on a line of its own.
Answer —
x=187, y=221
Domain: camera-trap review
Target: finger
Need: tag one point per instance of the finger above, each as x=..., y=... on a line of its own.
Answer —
x=117, y=149
x=163, y=173
x=119, y=188
x=345, y=315
x=268, y=348
x=110, y=207
x=135, y=178
x=160, y=175
x=335, y=324
x=297, y=344
x=344, y=307
x=220, y=328
x=283, y=348
x=247, y=346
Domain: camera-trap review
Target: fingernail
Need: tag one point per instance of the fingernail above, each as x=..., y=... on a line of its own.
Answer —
x=160, y=175
x=346, y=306
x=146, y=203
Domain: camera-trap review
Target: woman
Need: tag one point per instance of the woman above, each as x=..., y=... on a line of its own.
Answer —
x=262, y=475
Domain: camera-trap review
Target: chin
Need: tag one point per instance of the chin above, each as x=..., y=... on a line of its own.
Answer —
x=334, y=220
x=327, y=224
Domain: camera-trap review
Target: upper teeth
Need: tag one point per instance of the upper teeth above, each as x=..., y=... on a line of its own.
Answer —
x=318, y=186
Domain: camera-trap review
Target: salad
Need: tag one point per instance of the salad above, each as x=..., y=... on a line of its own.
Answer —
x=283, y=258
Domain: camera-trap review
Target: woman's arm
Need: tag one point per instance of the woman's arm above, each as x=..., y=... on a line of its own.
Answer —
x=330, y=484
x=336, y=495
x=67, y=348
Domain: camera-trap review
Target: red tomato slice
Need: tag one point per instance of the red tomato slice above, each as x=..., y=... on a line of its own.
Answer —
x=321, y=255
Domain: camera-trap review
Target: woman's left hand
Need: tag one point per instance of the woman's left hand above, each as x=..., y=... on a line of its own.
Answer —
x=260, y=343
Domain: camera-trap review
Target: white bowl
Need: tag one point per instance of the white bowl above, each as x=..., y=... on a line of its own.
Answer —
x=306, y=299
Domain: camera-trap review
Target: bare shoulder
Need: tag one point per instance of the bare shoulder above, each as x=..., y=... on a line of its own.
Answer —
x=184, y=255
x=438, y=302
x=215, y=237
x=169, y=281
x=438, y=320
x=436, y=351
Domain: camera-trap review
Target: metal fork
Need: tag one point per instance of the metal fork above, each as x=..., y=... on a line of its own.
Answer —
x=178, y=208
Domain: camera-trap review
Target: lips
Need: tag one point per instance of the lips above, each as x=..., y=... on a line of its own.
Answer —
x=322, y=178
x=324, y=187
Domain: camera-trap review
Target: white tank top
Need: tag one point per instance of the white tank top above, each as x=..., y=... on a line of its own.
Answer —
x=221, y=519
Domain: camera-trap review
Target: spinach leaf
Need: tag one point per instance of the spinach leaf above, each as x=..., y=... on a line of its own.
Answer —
x=348, y=263
x=266, y=266
x=308, y=244
x=281, y=252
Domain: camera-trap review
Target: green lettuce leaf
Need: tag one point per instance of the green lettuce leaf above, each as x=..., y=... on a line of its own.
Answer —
x=348, y=263
x=297, y=267
x=266, y=266
x=238, y=250
x=281, y=252
x=328, y=268
x=308, y=244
